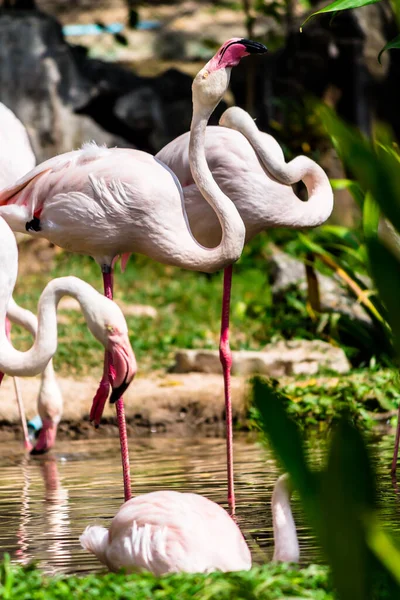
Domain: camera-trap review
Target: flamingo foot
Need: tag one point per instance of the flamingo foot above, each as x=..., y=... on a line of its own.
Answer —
x=99, y=401
x=46, y=439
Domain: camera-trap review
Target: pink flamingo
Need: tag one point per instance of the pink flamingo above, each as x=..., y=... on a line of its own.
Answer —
x=250, y=168
x=50, y=401
x=103, y=317
x=109, y=202
x=168, y=532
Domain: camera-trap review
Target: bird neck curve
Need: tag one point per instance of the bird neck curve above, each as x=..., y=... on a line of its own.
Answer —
x=296, y=213
x=286, y=545
x=233, y=229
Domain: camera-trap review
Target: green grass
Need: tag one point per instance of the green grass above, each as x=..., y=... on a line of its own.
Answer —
x=269, y=582
x=188, y=305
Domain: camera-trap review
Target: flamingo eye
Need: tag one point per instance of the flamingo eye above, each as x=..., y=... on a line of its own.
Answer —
x=110, y=329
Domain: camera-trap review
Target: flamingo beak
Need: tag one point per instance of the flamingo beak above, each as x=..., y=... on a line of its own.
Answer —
x=118, y=392
x=123, y=367
x=253, y=47
x=47, y=437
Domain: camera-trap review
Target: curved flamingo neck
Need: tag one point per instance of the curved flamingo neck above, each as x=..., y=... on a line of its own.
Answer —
x=233, y=229
x=296, y=214
x=286, y=545
x=35, y=360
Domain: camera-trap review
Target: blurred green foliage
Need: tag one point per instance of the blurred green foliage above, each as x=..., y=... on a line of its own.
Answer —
x=367, y=396
x=339, y=5
x=270, y=582
x=339, y=501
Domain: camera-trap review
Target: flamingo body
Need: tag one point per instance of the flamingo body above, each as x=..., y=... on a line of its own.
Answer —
x=167, y=532
x=128, y=190
x=103, y=317
x=259, y=185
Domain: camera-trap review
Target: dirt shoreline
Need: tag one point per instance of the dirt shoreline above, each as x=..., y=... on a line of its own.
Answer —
x=171, y=404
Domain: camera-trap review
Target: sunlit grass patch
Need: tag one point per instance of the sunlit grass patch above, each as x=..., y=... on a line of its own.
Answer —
x=270, y=582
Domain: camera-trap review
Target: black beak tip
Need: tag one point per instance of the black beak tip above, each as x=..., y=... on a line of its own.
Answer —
x=117, y=392
x=253, y=47
x=35, y=452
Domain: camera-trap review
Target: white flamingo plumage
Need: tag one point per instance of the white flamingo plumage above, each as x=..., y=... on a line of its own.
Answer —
x=109, y=202
x=16, y=159
x=169, y=532
x=103, y=317
x=249, y=166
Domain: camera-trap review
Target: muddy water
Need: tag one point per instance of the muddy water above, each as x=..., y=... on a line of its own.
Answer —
x=46, y=502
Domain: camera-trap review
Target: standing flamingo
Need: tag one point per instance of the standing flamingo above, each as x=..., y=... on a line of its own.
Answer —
x=169, y=532
x=109, y=202
x=16, y=159
x=50, y=401
x=103, y=317
x=250, y=168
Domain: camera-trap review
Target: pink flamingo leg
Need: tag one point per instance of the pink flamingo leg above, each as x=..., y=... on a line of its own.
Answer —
x=123, y=437
x=225, y=356
x=396, y=446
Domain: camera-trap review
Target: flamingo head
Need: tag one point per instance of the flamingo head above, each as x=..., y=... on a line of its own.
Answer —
x=212, y=81
x=122, y=367
x=50, y=406
x=47, y=437
x=107, y=323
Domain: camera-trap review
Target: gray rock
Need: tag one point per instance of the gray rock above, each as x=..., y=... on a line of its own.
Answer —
x=293, y=357
x=287, y=272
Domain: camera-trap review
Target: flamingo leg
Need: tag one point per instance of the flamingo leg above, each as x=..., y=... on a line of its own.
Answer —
x=225, y=356
x=123, y=437
x=396, y=445
x=21, y=408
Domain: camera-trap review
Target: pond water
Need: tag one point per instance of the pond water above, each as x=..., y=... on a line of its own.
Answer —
x=46, y=502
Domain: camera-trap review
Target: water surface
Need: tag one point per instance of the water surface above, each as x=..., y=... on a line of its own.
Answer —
x=46, y=502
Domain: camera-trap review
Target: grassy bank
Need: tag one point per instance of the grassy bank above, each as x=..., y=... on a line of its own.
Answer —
x=188, y=306
x=269, y=582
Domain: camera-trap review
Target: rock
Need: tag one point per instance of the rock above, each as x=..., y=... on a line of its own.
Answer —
x=287, y=272
x=40, y=80
x=293, y=357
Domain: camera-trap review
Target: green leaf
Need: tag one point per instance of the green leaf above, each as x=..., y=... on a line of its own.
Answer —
x=383, y=546
x=394, y=43
x=352, y=186
x=375, y=168
x=347, y=492
x=386, y=273
x=283, y=435
x=371, y=215
x=340, y=5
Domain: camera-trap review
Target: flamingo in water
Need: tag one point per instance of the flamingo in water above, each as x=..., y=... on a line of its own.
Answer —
x=168, y=532
x=50, y=401
x=107, y=202
x=103, y=317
